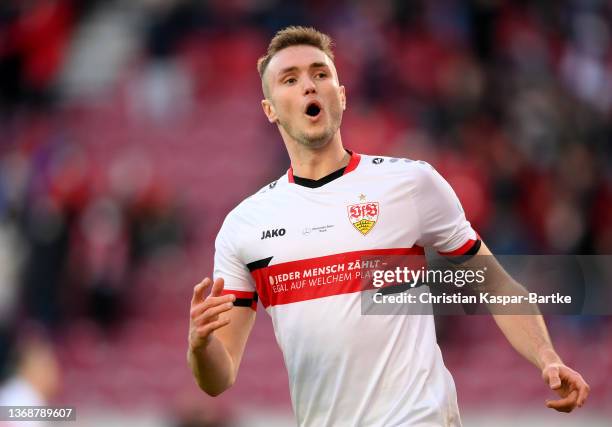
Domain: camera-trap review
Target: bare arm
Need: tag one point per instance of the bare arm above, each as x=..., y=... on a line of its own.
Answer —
x=528, y=334
x=218, y=332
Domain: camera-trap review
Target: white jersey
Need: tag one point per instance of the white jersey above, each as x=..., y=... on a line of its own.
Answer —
x=292, y=245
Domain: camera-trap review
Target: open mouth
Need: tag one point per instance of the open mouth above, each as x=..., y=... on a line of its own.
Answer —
x=313, y=109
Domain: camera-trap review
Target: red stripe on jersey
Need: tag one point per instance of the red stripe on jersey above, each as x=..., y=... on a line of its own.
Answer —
x=352, y=165
x=325, y=276
x=461, y=250
x=238, y=294
x=242, y=295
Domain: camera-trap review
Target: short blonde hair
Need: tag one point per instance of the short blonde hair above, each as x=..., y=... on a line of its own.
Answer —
x=295, y=36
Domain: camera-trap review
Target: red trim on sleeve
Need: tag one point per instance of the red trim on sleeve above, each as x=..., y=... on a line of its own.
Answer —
x=466, y=247
x=242, y=295
x=238, y=294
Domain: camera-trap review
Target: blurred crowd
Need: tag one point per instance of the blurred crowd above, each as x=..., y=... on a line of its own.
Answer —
x=71, y=232
x=510, y=100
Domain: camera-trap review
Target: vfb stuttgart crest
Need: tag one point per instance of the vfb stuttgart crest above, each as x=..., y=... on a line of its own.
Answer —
x=363, y=216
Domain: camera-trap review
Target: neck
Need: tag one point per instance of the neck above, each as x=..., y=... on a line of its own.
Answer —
x=315, y=163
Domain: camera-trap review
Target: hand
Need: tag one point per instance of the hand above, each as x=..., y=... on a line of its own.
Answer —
x=568, y=384
x=204, y=313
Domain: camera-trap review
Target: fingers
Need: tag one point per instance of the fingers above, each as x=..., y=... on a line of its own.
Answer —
x=201, y=335
x=204, y=317
x=217, y=288
x=212, y=313
x=574, y=381
x=210, y=303
x=583, y=393
x=577, y=395
x=578, y=383
x=569, y=384
x=198, y=290
x=205, y=311
x=200, y=307
x=566, y=404
x=551, y=376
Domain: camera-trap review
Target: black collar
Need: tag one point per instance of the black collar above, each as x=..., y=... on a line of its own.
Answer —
x=316, y=183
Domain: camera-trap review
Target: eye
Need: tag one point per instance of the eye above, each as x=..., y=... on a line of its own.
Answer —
x=290, y=80
x=321, y=75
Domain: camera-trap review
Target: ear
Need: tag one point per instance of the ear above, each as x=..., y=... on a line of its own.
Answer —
x=269, y=110
x=343, y=97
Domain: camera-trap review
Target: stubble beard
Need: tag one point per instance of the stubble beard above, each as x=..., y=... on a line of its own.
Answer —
x=316, y=139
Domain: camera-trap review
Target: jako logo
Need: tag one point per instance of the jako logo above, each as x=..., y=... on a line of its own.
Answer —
x=268, y=234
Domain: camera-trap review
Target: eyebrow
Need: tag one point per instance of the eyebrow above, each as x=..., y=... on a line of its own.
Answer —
x=294, y=68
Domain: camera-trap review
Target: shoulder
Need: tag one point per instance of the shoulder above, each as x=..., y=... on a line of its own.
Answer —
x=413, y=170
x=250, y=205
x=250, y=212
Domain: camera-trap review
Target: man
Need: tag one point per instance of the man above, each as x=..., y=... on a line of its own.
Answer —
x=35, y=379
x=293, y=243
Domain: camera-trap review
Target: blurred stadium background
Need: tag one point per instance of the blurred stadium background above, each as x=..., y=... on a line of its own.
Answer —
x=129, y=128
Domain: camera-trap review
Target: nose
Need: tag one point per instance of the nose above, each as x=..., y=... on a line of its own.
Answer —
x=309, y=86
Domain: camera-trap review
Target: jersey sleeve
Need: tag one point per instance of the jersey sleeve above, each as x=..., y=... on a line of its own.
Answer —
x=236, y=276
x=442, y=220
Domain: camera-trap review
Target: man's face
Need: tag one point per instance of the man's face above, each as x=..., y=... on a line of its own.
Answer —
x=303, y=95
